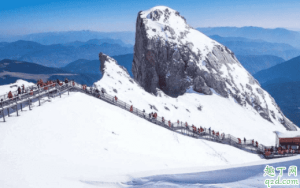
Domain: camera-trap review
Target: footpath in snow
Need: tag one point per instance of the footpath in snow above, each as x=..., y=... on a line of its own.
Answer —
x=78, y=139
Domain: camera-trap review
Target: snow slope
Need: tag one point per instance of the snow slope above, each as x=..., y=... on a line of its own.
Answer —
x=249, y=175
x=81, y=141
x=219, y=113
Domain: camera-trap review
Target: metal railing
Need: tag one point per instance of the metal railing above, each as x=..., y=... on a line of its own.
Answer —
x=246, y=145
x=179, y=127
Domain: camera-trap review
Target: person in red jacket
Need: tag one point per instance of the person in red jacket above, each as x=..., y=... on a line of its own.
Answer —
x=10, y=95
x=169, y=123
x=116, y=98
x=131, y=108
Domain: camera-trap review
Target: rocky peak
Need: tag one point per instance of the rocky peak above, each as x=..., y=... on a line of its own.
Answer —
x=109, y=66
x=171, y=56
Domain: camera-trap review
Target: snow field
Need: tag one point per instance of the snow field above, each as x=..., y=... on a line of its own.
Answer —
x=79, y=139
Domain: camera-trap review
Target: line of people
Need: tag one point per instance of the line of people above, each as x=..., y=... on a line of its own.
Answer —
x=40, y=84
x=19, y=92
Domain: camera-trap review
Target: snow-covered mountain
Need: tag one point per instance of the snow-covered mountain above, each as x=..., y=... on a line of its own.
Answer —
x=215, y=111
x=172, y=56
x=81, y=141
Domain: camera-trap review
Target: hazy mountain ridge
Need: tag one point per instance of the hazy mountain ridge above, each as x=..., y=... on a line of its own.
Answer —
x=246, y=46
x=97, y=42
x=92, y=66
x=278, y=35
x=58, y=55
x=256, y=63
x=286, y=93
x=12, y=70
x=62, y=37
x=283, y=83
x=289, y=70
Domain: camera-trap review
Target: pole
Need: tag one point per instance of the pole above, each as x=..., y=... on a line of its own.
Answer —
x=29, y=102
x=8, y=111
x=39, y=96
x=17, y=107
x=3, y=112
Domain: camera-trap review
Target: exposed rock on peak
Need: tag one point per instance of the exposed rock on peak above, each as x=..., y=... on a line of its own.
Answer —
x=171, y=56
x=108, y=64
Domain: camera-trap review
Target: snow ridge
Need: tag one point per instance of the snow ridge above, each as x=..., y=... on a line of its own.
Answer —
x=171, y=56
x=219, y=113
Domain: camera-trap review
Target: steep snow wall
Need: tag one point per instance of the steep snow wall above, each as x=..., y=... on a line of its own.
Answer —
x=173, y=57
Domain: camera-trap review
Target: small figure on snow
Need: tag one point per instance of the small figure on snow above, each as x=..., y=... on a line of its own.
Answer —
x=19, y=91
x=10, y=95
x=131, y=108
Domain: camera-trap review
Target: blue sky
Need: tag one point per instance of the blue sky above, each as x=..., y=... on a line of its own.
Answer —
x=23, y=17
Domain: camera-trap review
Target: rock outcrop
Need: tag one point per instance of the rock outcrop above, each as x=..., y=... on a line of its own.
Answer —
x=172, y=56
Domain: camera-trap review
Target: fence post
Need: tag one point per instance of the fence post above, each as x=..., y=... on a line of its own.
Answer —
x=39, y=96
x=17, y=107
x=3, y=111
x=29, y=102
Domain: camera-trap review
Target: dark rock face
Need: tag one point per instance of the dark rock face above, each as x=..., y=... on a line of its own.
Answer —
x=170, y=67
x=103, y=58
x=171, y=56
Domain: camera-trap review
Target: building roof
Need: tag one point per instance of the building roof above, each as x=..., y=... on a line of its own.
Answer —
x=288, y=134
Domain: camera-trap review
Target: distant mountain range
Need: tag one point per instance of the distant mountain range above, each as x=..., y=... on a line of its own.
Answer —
x=278, y=35
x=58, y=55
x=283, y=72
x=82, y=71
x=83, y=66
x=245, y=47
x=256, y=63
x=49, y=38
x=12, y=70
x=287, y=97
x=98, y=42
x=282, y=81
